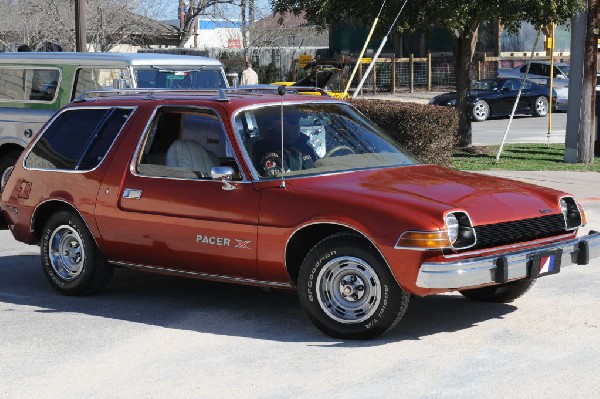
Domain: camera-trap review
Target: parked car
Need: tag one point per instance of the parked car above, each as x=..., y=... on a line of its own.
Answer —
x=496, y=97
x=35, y=85
x=230, y=187
x=539, y=72
x=562, y=96
x=562, y=99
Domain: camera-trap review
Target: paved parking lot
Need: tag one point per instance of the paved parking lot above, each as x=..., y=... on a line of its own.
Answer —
x=154, y=337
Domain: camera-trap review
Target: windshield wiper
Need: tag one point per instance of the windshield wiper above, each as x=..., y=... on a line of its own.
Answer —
x=166, y=70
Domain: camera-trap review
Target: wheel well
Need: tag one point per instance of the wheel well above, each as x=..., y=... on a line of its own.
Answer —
x=43, y=213
x=304, y=239
x=8, y=148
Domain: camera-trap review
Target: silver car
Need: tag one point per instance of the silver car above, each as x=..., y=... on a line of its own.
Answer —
x=539, y=72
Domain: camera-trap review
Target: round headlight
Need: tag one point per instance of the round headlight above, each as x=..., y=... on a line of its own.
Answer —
x=564, y=207
x=452, y=223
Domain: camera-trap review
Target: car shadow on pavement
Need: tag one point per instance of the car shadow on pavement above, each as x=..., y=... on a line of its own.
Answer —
x=223, y=309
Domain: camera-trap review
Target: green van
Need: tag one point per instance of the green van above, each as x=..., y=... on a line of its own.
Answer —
x=35, y=85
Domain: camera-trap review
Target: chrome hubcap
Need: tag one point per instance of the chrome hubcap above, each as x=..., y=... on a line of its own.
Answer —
x=66, y=252
x=348, y=290
x=480, y=110
x=541, y=106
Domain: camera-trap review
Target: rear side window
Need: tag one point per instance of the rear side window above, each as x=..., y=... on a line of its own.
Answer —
x=97, y=79
x=77, y=139
x=28, y=84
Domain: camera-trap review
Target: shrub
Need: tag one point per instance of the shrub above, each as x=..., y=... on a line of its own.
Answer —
x=427, y=131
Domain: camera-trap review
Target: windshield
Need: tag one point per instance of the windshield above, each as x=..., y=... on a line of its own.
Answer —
x=563, y=69
x=180, y=77
x=487, y=84
x=317, y=138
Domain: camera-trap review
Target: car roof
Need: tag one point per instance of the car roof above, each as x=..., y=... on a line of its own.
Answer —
x=546, y=63
x=126, y=59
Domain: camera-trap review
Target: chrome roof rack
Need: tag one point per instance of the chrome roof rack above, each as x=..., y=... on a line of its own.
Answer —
x=220, y=93
x=134, y=92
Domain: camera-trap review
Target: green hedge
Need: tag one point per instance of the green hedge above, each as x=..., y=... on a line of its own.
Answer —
x=427, y=131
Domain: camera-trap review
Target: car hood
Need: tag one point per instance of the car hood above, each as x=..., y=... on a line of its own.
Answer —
x=430, y=190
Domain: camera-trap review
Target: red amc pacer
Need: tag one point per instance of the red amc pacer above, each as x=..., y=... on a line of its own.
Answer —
x=294, y=192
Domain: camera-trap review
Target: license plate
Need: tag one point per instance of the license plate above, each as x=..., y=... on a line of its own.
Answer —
x=544, y=263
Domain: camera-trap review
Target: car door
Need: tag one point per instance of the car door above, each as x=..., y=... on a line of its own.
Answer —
x=169, y=215
x=505, y=98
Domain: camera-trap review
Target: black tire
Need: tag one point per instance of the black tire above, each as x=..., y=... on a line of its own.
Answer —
x=503, y=293
x=71, y=260
x=335, y=297
x=481, y=111
x=8, y=160
x=540, y=106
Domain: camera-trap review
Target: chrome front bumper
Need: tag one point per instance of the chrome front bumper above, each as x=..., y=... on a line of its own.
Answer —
x=503, y=267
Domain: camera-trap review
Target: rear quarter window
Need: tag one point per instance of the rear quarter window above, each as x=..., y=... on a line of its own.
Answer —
x=78, y=139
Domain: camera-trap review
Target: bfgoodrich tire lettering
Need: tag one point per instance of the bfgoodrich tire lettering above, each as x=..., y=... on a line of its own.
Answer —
x=502, y=293
x=70, y=259
x=347, y=290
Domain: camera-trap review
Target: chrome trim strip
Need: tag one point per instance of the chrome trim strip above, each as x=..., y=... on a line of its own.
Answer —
x=78, y=171
x=474, y=272
x=564, y=217
x=200, y=275
x=34, y=215
x=146, y=133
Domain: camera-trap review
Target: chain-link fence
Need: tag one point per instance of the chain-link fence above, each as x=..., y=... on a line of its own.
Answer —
x=392, y=75
x=389, y=75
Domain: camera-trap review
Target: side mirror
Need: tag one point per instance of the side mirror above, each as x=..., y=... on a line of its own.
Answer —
x=560, y=76
x=223, y=174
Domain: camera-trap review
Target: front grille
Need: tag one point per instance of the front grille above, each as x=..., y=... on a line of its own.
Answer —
x=495, y=235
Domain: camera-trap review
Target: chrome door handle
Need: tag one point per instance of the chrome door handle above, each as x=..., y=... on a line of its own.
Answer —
x=132, y=193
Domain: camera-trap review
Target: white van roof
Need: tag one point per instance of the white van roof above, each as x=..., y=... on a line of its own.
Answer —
x=124, y=59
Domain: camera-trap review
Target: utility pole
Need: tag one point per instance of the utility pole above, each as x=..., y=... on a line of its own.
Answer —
x=574, y=121
x=80, y=31
x=587, y=132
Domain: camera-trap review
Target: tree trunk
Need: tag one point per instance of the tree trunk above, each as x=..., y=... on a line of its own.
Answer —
x=587, y=134
x=464, y=48
x=244, y=27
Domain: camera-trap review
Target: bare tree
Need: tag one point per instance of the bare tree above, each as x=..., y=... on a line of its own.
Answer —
x=109, y=22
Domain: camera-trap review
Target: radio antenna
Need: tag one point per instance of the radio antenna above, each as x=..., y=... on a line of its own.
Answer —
x=281, y=90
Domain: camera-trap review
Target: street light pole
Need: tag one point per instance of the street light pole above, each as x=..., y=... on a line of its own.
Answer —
x=80, y=31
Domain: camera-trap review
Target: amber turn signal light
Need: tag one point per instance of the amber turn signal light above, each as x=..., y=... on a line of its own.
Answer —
x=424, y=240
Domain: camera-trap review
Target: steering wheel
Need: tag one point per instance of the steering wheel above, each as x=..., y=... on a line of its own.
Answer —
x=338, y=148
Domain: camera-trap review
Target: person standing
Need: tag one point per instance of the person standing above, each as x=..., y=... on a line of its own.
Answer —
x=249, y=76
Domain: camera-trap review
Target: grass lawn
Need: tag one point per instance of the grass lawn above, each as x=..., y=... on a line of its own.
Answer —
x=518, y=157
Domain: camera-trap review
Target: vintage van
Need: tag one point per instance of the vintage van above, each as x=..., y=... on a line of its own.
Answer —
x=35, y=85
